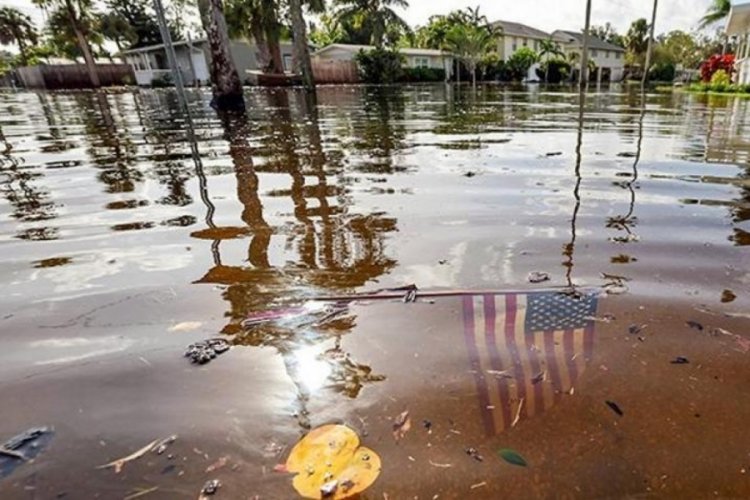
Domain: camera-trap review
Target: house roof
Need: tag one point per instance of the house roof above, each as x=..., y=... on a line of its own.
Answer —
x=738, y=19
x=576, y=38
x=518, y=29
x=407, y=51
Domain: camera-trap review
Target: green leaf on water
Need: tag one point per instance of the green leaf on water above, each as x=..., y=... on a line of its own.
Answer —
x=512, y=457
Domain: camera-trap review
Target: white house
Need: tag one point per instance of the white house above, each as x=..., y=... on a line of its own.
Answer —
x=516, y=35
x=414, y=58
x=738, y=25
x=609, y=58
x=151, y=63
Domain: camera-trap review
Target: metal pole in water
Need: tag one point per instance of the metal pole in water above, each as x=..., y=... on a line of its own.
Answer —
x=171, y=56
x=649, y=48
x=584, y=76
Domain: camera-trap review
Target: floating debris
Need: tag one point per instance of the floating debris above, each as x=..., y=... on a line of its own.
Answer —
x=218, y=464
x=727, y=296
x=694, y=325
x=539, y=377
x=162, y=446
x=442, y=466
x=478, y=485
x=427, y=425
x=202, y=352
x=615, y=407
x=140, y=493
x=118, y=464
x=512, y=457
x=538, y=277
x=401, y=425
x=211, y=487
x=553, y=153
x=23, y=447
x=518, y=413
x=500, y=373
x=636, y=329
x=680, y=360
x=474, y=453
x=604, y=318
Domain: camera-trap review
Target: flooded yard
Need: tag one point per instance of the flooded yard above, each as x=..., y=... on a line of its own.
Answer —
x=582, y=290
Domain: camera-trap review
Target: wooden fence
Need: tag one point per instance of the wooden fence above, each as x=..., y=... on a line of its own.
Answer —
x=326, y=71
x=73, y=76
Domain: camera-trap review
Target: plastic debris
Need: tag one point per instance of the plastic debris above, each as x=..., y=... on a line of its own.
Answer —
x=202, y=352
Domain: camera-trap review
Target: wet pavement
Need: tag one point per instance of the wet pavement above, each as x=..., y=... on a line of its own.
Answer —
x=124, y=238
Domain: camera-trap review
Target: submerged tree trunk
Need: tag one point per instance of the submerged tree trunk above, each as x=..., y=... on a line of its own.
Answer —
x=83, y=44
x=226, y=84
x=302, y=64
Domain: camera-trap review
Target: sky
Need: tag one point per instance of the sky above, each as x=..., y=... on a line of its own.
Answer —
x=546, y=15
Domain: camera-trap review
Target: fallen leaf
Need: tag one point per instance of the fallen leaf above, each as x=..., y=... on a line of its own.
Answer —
x=728, y=296
x=512, y=457
x=614, y=407
x=185, y=326
x=120, y=462
x=332, y=453
x=401, y=425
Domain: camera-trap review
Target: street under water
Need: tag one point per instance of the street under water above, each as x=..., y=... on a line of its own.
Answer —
x=128, y=232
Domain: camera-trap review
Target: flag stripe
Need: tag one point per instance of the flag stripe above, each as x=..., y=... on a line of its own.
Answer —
x=471, y=347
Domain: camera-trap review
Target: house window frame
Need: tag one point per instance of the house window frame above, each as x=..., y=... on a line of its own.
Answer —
x=421, y=62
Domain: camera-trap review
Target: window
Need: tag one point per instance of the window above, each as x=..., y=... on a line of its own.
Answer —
x=524, y=42
x=288, y=62
x=606, y=54
x=594, y=53
x=617, y=55
x=515, y=44
x=421, y=62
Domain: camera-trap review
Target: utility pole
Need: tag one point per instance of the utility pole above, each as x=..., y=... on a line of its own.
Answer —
x=650, y=47
x=166, y=38
x=584, y=74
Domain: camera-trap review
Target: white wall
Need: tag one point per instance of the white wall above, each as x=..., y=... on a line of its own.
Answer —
x=506, y=43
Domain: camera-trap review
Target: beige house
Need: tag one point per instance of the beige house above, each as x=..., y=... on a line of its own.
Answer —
x=609, y=58
x=738, y=25
x=414, y=58
x=516, y=35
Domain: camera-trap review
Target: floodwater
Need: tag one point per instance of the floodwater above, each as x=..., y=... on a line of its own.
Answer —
x=125, y=237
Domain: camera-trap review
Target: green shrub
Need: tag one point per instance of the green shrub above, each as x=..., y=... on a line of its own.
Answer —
x=380, y=65
x=519, y=63
x=423, y=75
x=556, y=70
x=662, y=72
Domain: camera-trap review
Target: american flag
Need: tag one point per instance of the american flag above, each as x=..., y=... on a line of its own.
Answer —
x=526, y=350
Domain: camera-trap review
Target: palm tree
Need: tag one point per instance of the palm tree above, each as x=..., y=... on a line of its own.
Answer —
x=375, y=17
x=548, y=48
x=16, y=27
x=226, y=84
x=302, y=64
x=257, y=20
x=77, y=11
x=636, y=40
x=469, y=43
x=718, y=10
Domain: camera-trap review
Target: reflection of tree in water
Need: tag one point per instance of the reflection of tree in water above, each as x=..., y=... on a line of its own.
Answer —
x=378, y=132
x=111, y=148
x=30, y=202
x=335, y=249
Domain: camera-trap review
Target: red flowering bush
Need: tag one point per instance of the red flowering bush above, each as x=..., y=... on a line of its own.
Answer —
x=715, y=63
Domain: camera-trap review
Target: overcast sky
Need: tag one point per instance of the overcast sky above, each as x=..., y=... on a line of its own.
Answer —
x=547, y=15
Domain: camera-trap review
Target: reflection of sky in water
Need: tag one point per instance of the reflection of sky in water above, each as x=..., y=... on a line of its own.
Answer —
x=64, y=350
x=313, y=372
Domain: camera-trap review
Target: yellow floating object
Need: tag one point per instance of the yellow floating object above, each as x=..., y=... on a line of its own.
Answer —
x=329, y=463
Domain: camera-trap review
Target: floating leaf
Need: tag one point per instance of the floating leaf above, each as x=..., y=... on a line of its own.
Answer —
x=329, y=461
x=512, y=457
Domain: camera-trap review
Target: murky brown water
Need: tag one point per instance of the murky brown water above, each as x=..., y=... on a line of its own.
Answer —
x=122, y=241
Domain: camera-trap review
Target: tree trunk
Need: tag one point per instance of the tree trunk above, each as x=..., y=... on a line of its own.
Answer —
x=226, y=84
x=83, y=44
x=272, y=39
x=259, y=37
x=22, y=50
x=302, y=64
x=473, y=76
